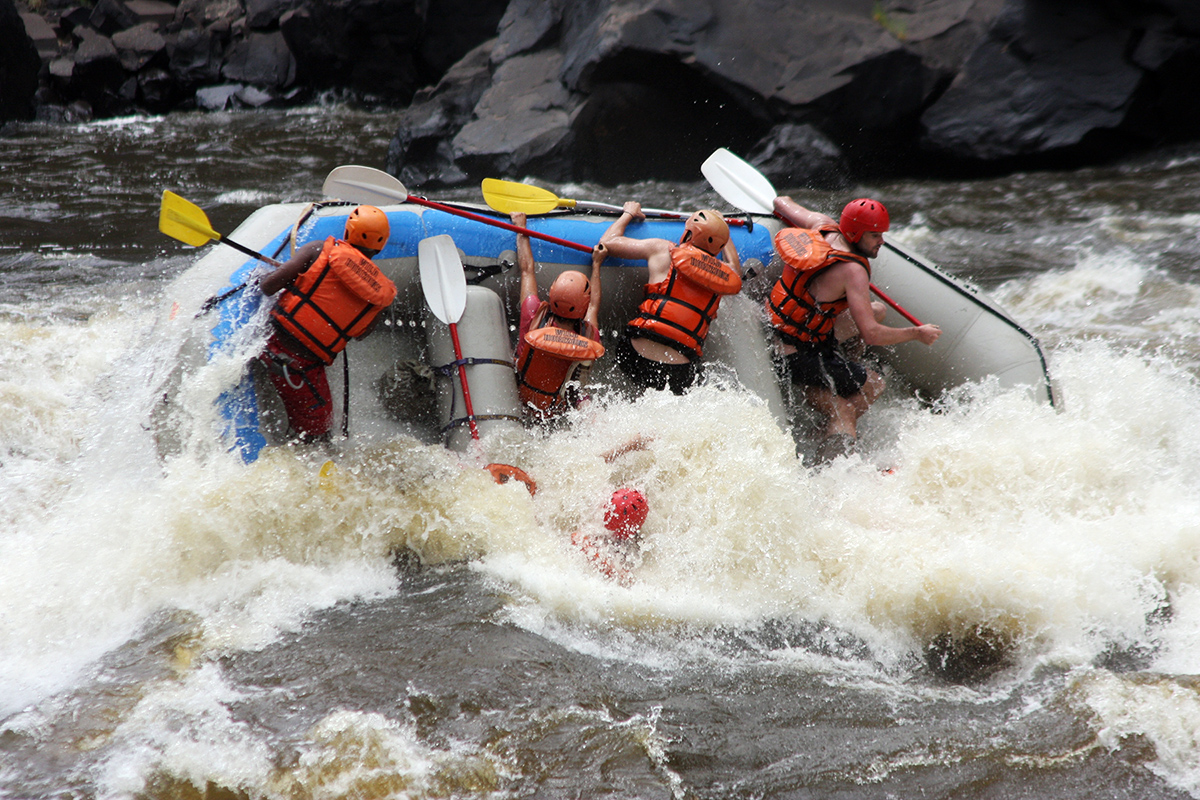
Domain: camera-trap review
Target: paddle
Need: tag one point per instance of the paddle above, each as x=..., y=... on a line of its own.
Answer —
x=183, y=220
x=445, y=288
x=373, y=186
x=748, y=189
x=510, y=196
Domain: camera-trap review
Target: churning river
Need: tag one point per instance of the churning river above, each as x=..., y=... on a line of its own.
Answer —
x=404, y=628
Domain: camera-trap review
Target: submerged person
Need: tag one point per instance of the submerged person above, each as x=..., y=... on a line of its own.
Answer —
x=662, y=346
x=615, y=552
x=332, y=292
x=558, y=338
x=822, y=301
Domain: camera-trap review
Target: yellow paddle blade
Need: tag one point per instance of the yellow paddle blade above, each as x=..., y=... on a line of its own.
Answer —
x=183, y=220
x=509, y=196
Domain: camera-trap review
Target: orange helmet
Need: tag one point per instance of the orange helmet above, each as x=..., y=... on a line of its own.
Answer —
x=861, y=216
x=626, y=512
x=367, y=227
x=707, y=230
x=570, y=295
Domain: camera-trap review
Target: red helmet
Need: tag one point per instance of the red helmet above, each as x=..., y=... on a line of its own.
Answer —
x=570, y=295
x=625, y=513
x=367, y=227
x=861, y=216
x=707, y=230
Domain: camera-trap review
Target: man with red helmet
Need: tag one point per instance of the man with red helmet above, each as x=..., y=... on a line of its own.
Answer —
x=661, y=347
x=559, y=338
x=332, y=293
x=821, y=300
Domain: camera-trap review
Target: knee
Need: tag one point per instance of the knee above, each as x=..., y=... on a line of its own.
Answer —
x=879, y=310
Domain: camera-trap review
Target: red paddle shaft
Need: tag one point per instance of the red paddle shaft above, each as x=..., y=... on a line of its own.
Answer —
x=462, y=378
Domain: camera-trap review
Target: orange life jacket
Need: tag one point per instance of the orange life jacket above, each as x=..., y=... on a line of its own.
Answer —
x=677, y=311
x=549, y=357
x=334, y=300
x=798, y=317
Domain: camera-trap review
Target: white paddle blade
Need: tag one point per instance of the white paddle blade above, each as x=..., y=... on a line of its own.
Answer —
x=740, y=184
x=364, y=185
x=442, y=278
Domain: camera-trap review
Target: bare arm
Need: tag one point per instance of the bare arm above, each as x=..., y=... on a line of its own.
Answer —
x=873, y=332
x=300, y=261
x=525, y=260
x=592, y=317
x=655, y=252
x=795, y=214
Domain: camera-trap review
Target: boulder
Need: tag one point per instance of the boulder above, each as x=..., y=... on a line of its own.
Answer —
x=1048, y=74
x=369, y=46
x=801, y=157
x=523, y=121
x=19, y=65
x=138, y=45
x=420, y=153
x=261, y=59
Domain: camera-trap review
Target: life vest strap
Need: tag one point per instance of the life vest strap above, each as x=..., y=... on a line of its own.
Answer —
x=447, y=370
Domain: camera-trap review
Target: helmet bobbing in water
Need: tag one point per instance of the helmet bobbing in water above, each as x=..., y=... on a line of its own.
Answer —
x=625, y=513
x=367, y=227
x=862, y=216
x=707, y=230
x=570, y=295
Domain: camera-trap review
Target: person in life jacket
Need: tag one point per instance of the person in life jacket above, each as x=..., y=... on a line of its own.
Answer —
x=557, y=338
x=663, y=344
x=822, y=301
x=615, y=553
x=332, y=292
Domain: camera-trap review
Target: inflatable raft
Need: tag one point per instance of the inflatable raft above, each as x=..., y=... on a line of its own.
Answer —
x=400, y=378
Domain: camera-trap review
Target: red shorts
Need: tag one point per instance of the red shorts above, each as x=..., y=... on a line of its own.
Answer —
x=303, y=387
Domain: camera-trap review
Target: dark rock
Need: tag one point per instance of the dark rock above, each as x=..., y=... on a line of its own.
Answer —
x=19, y=66
x=217, y=98
x=44, y=37
x=98, y=77
x=110, y=16
x=523, y=121
x=420, y=153
x=800, y=156
x=137, y=45
x=262, y=59
x=1049, y=73
x=971, y=656
x=194, y=56
x=265, y=14
x=155, y=11
x=453, y=28
x=366, y=45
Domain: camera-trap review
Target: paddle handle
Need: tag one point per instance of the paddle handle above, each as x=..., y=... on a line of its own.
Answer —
x=583, y=248
x=253, y=253
x=899, y=309
x=649, y=212
x=462, y=377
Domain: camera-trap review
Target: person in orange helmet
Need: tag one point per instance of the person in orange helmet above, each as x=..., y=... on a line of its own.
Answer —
x=662, y=345
x=332, y=292
x=557, y=338
x=822, y=300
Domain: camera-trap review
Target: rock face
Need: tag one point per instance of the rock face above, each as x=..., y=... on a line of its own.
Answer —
x=814, y=92
x=19, y=63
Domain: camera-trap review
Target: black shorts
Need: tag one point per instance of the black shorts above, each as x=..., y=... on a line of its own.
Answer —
x=825, y=366
x=654, y=374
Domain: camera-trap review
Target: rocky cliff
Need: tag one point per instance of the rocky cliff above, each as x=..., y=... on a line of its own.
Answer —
x=814, y=91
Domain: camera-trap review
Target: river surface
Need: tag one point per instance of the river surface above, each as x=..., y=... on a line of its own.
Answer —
x=404, y=628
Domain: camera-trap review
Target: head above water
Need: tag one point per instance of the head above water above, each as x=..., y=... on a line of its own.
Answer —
x=863, y=216
x=570, y=295
x=367, y=227
x=707, y=230
x=625, y=513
